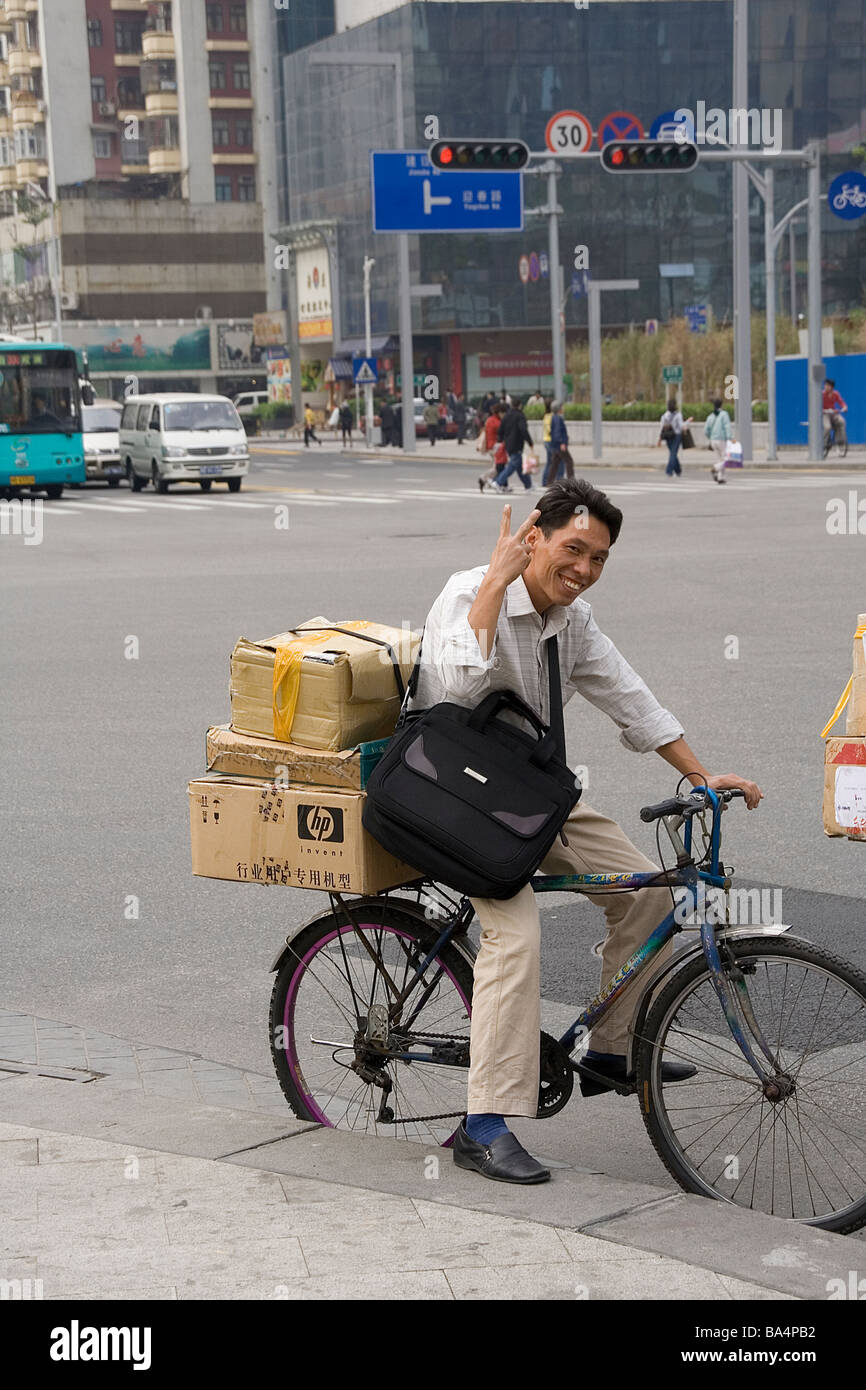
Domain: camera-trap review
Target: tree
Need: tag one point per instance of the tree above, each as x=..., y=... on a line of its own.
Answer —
x=34, y=213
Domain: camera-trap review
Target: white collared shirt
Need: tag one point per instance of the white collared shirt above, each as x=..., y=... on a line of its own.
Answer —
x=454, y=669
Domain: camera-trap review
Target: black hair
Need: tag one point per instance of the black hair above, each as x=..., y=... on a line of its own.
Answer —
x=560, y=502
x=672, y=406
x=829, y=381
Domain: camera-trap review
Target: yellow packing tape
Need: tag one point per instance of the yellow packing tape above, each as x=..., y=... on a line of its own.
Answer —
x=846, y=693
x=287, y=675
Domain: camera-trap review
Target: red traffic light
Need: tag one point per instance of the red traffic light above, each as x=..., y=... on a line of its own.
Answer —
x=479, y=156
x=650, y=156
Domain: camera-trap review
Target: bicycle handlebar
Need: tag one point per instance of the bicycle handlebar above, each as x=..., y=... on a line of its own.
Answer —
x=685, y=805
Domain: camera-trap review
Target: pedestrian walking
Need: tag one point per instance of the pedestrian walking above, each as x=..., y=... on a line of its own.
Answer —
x=458, y=413
x=309, y=427
x=514, y=434
x=671, y=428
x=545, y=439
x=386, y=415
x=488, y=444
x=533, y=588
x=562, y=464
x=347, y=421
x=717, y=428
x=431, y=421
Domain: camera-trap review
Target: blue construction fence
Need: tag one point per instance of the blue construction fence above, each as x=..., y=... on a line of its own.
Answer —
x=849, y=374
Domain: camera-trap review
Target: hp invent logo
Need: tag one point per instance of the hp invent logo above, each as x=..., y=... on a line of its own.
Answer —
x=320, y=823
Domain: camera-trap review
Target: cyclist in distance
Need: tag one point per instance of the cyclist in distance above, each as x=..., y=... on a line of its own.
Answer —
x=488, y=630
x=834, y=408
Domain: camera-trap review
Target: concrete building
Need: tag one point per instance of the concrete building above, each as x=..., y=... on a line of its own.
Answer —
x=141, y=128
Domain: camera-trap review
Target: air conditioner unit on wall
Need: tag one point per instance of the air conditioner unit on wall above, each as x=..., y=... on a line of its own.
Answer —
x=106, y=108
x=68, y=299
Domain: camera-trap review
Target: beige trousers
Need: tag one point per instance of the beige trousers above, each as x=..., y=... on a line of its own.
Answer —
x=506, y=1001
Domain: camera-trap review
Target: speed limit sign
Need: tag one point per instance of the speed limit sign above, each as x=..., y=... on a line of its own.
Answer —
x=568, y=132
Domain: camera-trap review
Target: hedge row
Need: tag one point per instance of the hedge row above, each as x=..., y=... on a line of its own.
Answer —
x=642, y=410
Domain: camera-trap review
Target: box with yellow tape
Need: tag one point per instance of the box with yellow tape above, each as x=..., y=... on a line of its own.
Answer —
x=322, y=684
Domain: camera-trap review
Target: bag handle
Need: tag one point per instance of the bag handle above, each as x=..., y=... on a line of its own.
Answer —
x=557, y=723
x=501, y=699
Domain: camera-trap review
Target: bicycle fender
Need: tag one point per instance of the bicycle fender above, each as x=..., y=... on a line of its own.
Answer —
x=683, y=958
x=460, y=941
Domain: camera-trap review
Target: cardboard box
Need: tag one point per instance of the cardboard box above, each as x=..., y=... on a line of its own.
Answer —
x=347, y=693
x=248, y=831
x=253, y=755
x=845, y=787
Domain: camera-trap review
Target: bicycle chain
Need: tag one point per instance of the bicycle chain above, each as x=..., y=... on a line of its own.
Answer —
x=445, y=1114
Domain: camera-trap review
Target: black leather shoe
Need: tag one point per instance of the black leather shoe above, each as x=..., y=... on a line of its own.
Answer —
x=598, y=1075
x=504, y=1159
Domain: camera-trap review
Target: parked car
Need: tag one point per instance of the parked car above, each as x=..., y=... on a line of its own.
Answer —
x=100, y=430
x=179, y=438
x=245, y=404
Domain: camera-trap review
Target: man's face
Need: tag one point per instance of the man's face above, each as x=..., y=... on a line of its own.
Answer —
x=568, y=563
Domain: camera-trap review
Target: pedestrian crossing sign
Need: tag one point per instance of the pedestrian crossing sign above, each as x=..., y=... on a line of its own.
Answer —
x=364, y=371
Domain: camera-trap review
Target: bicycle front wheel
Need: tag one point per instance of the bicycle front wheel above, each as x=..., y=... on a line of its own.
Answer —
x=342, y=1059
x=796, y=1148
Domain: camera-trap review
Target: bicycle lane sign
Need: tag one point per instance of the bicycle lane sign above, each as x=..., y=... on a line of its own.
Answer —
x=846, y=196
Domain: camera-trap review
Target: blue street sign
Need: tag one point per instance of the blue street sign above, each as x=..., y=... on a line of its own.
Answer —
x=544, y=265
x=410, y=195
x=846, y=195
x=534, y=267
x=696, y=317
x=579, y=283
x=619, y=125
x=666, y=127
x=364, y=371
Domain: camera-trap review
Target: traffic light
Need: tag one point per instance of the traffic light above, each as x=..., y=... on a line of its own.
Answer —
x=648, y=156
x=474, y=156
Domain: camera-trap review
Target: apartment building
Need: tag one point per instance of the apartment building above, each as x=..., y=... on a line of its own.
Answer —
x=142, y=124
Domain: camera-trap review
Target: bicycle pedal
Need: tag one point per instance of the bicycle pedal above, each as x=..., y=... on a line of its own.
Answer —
x=593, y=1083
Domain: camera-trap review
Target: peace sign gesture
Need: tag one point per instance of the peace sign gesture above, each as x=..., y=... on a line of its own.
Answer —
x=512, y=553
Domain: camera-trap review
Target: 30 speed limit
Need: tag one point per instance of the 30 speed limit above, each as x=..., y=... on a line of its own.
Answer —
x=568, y=132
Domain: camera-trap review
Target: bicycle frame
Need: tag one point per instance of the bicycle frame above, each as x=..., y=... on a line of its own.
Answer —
x=731, y=992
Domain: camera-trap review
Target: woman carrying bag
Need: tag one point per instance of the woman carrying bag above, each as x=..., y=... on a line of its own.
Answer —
x=671, y=428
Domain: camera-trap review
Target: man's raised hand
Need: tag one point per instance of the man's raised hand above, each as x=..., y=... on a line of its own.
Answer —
x=512, y=553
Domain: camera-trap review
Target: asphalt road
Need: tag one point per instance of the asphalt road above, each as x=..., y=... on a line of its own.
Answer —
x=98, y=748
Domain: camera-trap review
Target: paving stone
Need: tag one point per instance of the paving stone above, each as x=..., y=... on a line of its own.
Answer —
x=15, y=1152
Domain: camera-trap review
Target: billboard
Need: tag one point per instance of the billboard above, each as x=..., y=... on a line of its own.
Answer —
x=313, y=271
x=125, y=347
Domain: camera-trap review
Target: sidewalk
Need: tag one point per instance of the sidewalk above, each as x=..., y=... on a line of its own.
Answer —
x=615, y=456
x=141, y=1172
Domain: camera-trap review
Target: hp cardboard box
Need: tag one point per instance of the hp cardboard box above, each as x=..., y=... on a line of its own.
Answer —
x=249, y=831
x=845, y=787
x=253, y=755
x=326, y=689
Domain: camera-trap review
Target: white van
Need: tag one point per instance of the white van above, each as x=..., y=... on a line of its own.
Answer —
x=182, y=438
x=100, y=424
x=246, y=403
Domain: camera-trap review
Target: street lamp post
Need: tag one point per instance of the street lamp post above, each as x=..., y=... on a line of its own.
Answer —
x=364, y=58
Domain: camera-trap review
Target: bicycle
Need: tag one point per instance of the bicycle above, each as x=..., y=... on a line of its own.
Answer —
x=836, y=437
x=371, y=1003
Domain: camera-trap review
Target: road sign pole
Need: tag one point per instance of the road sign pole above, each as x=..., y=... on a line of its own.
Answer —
x=593, y=298
x=816, y=363
x=369, y=262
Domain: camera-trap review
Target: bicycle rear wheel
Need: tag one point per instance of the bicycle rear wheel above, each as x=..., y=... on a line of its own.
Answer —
x=339, y=1059
x=800, y=1154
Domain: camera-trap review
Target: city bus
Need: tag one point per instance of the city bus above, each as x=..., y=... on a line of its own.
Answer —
x=41, y=448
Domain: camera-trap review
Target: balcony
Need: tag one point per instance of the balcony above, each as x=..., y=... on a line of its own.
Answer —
x=5, y=122
x=31, y=169
x=8, y=177
x=161, y=103
x=24, y=107
x=157, y=44
x=16, y=9
x=163, y=161
x=19, y=62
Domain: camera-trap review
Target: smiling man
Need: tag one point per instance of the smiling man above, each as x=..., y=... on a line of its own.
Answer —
x=486, y=631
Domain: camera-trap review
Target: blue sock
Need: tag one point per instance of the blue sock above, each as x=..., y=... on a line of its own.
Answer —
x=485, y=1128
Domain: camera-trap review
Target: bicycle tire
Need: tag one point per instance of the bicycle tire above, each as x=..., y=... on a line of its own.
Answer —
x=842, y=446
x=826, y=447
x=314, y=1101
x=659, y=1100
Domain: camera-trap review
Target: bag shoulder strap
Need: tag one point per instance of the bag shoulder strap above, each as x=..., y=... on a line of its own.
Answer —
x=365, y=637
x=557, y=723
